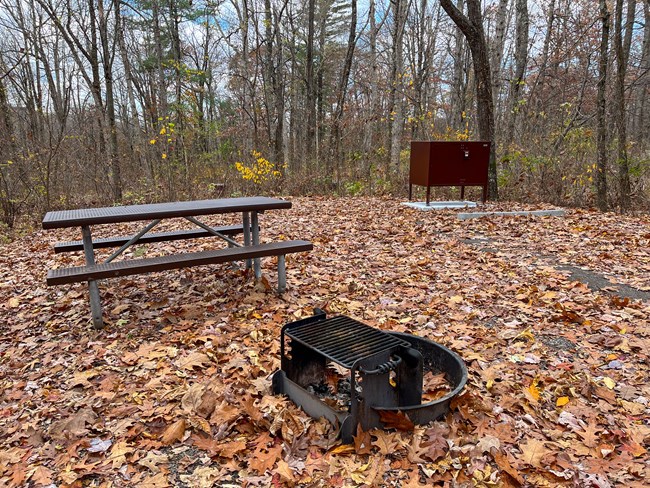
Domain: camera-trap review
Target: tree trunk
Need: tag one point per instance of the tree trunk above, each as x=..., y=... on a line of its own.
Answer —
x=601, y=174
x=160, y=107
x=620, y=46
x=497, y=47
x=335, y=136
x=472, y=27
x=396, y=90
x=521, y=54
x=7, y=157
x=107, y=64
x=370, y=125
x=459, y=85
x=310, y=150
x=641, y=102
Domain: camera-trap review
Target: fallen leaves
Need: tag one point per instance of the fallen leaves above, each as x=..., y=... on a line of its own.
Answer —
x=76, y=425
x=179, y=392
x=174, y=432
x=395, y=420
x=533, y=451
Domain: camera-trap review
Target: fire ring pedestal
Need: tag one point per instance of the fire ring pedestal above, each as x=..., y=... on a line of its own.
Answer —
x=436, y=358
x=386, y=371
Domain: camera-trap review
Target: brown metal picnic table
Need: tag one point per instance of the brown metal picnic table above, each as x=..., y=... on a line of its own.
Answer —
x=251, y=250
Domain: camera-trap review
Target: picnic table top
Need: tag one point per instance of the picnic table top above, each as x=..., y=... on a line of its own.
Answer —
x=128, y=213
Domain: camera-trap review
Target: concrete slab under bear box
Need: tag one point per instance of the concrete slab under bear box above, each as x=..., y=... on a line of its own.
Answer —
x=441, y=205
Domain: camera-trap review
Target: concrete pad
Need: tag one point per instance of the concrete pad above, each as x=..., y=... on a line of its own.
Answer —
x=440, y=205
x=540, y=213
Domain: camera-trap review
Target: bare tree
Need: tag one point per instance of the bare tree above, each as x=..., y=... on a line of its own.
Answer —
x=622, y=40
x=472, y=27
x=601, y=174
x=396, y=104
x=521, y=55
x=335, y=135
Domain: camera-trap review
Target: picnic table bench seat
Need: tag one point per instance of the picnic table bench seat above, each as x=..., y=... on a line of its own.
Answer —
x=173, y=261
x=177, y=235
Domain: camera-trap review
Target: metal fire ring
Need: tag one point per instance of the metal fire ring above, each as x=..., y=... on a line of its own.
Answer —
x=439, y=359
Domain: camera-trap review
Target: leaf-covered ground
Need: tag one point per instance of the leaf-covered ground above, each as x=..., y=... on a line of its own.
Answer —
x=175, y=390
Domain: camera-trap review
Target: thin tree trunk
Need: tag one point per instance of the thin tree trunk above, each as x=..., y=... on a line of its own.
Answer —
x=160, y=107
x=335, y=137
x=107, y=64
x=472, y=27
x=497, y=46
x=370, y=125
x=521, y=54
x=620, y=44
x=310, y=151
x=459, y=86
x=396, y=89
x=601, y=174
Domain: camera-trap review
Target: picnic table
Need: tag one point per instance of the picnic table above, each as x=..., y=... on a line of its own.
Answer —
x=251, y=250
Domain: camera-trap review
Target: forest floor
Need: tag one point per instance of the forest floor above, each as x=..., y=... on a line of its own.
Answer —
x=550, y=314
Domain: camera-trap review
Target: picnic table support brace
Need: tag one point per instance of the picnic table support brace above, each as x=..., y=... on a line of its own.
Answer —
x=133, y=240
x=247, y=235
x=209, y=229
x=256, y=240
x=93, y=288
x=282, y=274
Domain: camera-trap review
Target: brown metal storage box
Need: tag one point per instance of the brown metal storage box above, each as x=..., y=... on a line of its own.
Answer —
x=449, y=163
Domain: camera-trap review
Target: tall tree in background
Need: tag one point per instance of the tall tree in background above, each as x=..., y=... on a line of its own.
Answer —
x=601, y=110
x=460, y=58
x=335, y=135
x=517, y=81
x=7, y=154
x=472, y=27
x=622, y=41
x=395, y=103
x=310, y=83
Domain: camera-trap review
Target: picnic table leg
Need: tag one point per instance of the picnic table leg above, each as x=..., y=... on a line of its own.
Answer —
x=93, y=288
x=247, y=234
x=256, y=240
x=282, y=274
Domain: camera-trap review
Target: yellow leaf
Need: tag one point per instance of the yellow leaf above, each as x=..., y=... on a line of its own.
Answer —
x=609, y=383
x=343, y=449
x=534, y=390
x=13, y=302
x=527, y=335
x=562, y=401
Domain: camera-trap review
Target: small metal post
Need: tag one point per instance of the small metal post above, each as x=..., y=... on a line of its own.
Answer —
x=93, y=288
x=256, y=240
x=428, y=194
x=247, y=235
x=282, y=274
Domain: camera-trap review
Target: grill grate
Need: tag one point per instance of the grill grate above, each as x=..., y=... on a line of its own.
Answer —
x=344, y=340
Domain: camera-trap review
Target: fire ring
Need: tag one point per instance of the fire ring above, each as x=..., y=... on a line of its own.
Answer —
x=382, y=371
x=436, y=358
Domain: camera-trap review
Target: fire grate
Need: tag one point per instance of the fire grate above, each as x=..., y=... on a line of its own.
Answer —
x=385, y=371
x=343, y=340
